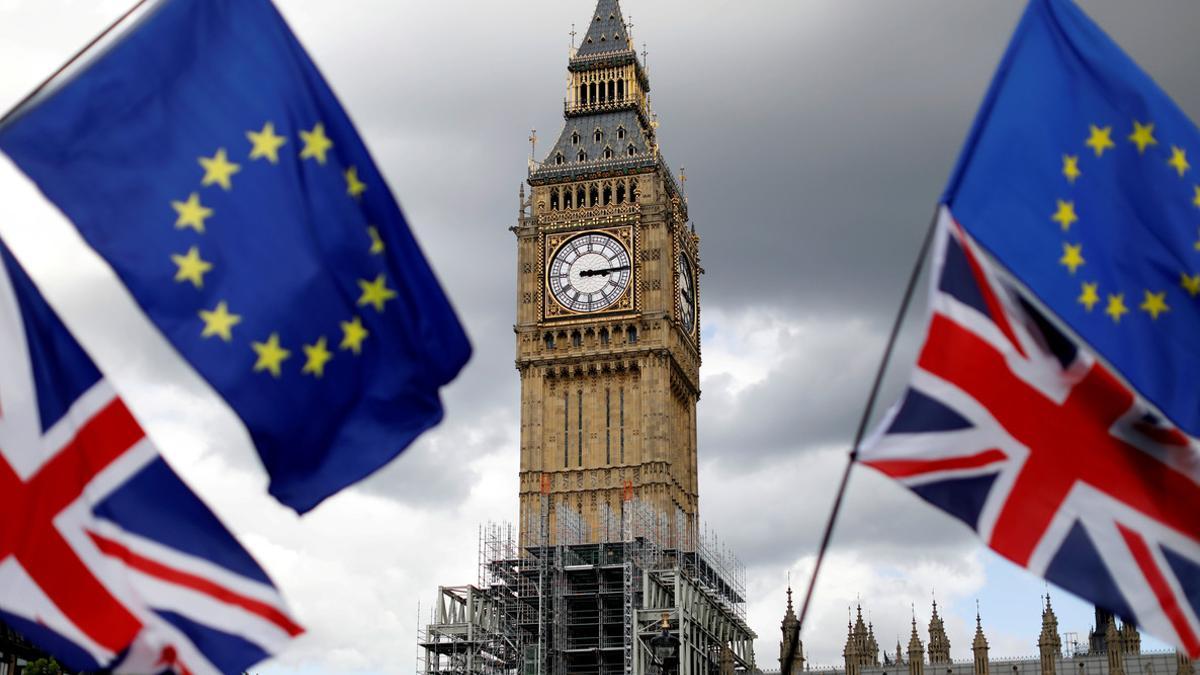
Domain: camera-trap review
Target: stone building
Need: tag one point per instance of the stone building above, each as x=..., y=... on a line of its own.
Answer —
x=1113, y=648
x=608, y=572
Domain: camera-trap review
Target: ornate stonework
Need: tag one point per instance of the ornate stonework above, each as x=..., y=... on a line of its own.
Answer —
x=608, y=397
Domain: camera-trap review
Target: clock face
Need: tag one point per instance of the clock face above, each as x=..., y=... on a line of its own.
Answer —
x=589, y=273
x=685, y=294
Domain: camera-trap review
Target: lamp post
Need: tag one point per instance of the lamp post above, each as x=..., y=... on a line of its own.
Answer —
x=664, y=651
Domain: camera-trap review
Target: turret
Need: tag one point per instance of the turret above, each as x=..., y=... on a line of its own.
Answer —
x=979, y=647
x=1183, y=664
x=1131, y=639
x=939, y=643
x=1049, y=644
x=916, y=652
x=1097, y=646
x=790, y=627
x=856, y=654
x=1112, y=649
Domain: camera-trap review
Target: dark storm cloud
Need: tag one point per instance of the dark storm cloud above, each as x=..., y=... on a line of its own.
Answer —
x=813, y=397
x=773, y=517
x=816, y=136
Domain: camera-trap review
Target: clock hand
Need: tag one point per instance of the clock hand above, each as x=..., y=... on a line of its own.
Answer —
x=596, y=273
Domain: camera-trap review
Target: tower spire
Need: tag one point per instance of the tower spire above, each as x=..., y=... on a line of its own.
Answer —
x=939, y=642
x=607, y=31
x=1112, y=648
x=916, y=651
x=1049, y=644
x=979, y=647
x=790, y=626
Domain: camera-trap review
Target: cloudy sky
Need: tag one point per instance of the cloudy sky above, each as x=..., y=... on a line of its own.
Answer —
x=816, y=134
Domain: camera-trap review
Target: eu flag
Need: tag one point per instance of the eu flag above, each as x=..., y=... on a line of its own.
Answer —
x=205, y=158
x=1079, y=178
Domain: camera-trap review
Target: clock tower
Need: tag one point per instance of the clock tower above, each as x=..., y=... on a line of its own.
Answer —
x=608, y=342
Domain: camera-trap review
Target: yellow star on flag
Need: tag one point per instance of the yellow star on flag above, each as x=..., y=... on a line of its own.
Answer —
x=191, y=267
x=316, y=144
x=191, y=213
x=376, y=240
x=1179, y=160
x=219, y=322
x=375, y=293
x=1191, y=283
x=1089, y=297
x=354, y=186
x=218, y=170
x=1071, y=168
x=266, y=143
x=1072, y=256
x=1100, y=139
x=316, y=356
x=353, y=335
x=1196, y=199
x=1065, y=215
x=1116, y=307
x=270, y=355
x=1154, y=304
x=1143, y=136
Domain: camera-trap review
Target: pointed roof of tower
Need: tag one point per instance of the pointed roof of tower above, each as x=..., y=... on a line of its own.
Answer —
x=980, y=641
x=1048, y=640
x=607, y=31
x=914, y=641
x=1049, y=619
x=1112, y=638
x=790, y=622
x=939, y=642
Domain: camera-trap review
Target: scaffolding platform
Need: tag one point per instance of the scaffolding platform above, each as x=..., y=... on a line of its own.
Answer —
x=580, y=608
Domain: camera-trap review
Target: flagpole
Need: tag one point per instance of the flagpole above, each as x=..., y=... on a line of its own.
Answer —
x=868, y=410
x=70, y=62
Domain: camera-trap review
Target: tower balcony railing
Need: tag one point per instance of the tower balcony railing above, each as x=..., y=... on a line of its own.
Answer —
x=608, y=105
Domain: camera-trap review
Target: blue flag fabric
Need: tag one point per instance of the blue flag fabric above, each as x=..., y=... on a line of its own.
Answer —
x=205, y=158
x=1078, y=178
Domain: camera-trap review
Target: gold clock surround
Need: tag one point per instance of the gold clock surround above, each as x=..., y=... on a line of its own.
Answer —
x=626, y=235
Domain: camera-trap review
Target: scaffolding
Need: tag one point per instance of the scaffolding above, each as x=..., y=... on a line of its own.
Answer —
x=588, y=605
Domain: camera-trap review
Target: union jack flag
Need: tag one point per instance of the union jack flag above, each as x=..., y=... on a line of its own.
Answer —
x=107, y=559
x=1012, y=427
